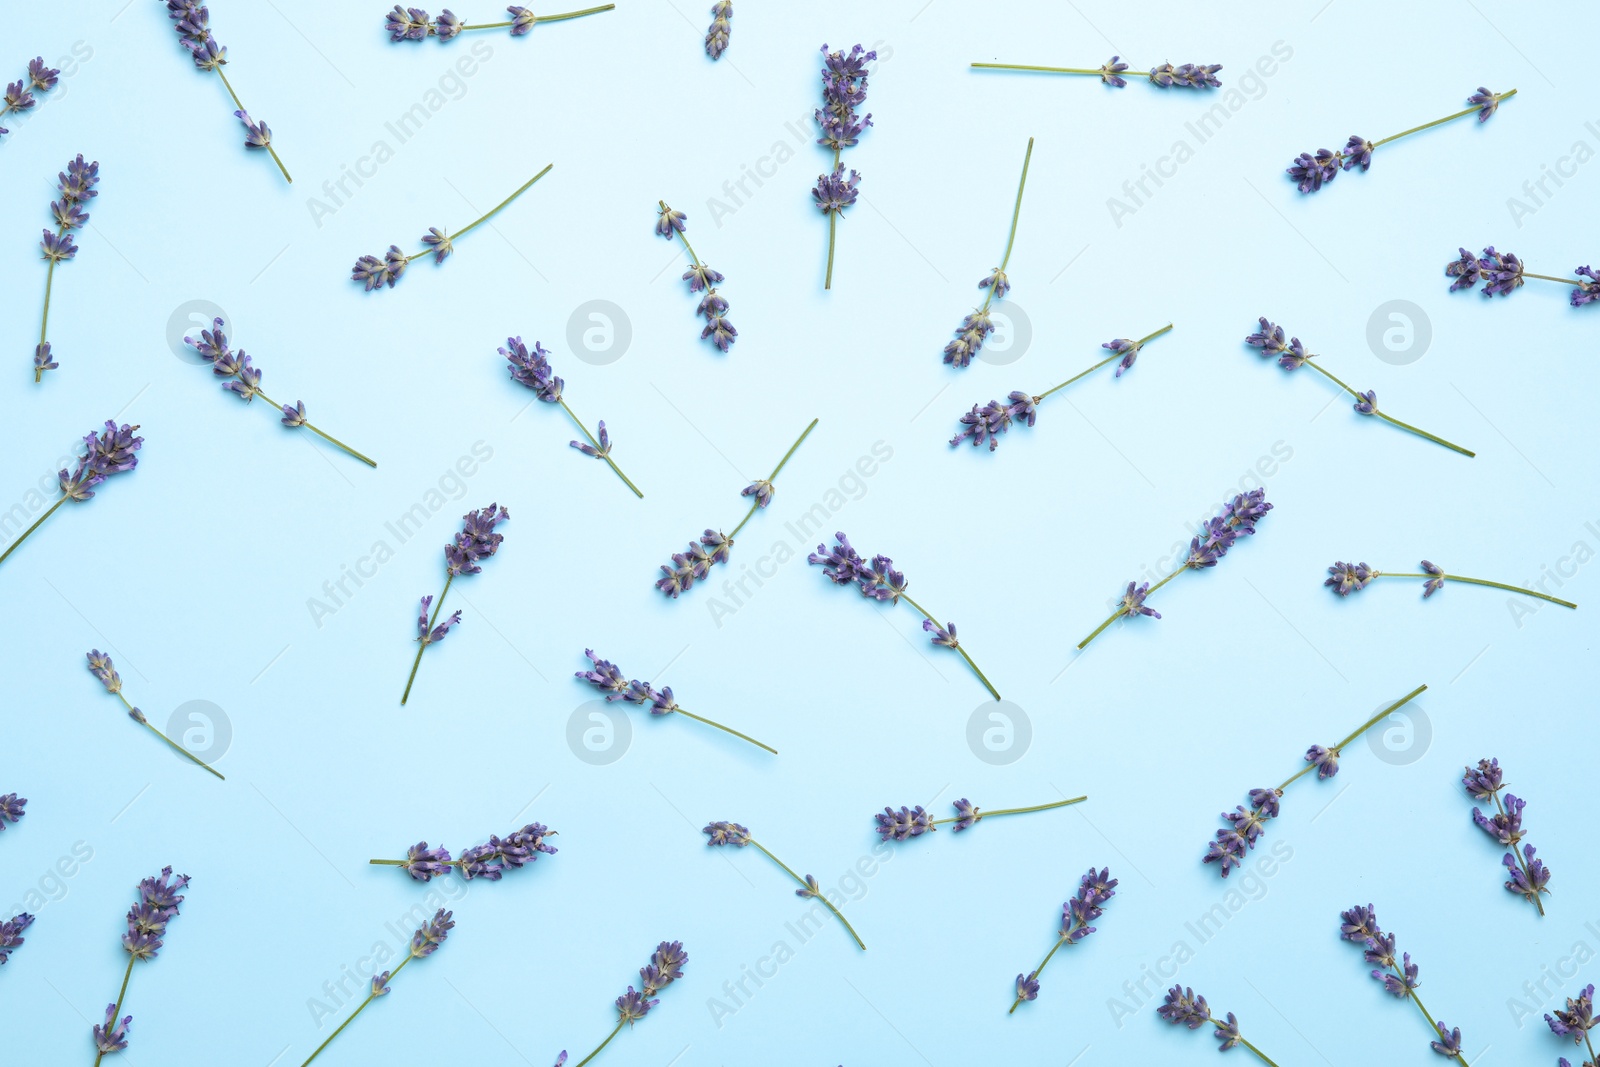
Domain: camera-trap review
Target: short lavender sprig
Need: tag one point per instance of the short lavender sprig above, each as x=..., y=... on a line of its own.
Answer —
x=976, y=327
x=1502, y=274
x=105, y=672
x=424, y=943
x=988, y=422
x=1114, y=73
x=1246, y=825
x=476, y=542
x=665, y=967
x=106, y=454
x=414, y=24
x=701, y=279
x=1347, y=578
x=1311, y=171
x=907, y=823
x=604, y=675
x=375, y=272
x=192, y=22
x=148, y=919
x=1182, y=1008
x=1237, y=518
x=844, y=89
x=11, y=934
x=1292, y=355
x=516, y=850
x=878, y=580
x=722, y=834
x=19, y=94
x=244, y=381
x=721, y=28
x=1399, y=977
x=713, y=547
x=77, y=187
x=1081, y=909
x=1575, y=1023
x=532, y=370
x=1529, y=875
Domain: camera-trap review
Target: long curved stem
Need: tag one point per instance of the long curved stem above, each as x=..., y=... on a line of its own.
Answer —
x=604, y=454
x=341, y=444
x=122, y=995
x=957, y=646
x=728, y=729
x=1482, y=581
x=175, y=746
x=807, y=886
x=240, y=105
x=1016, y=212
x=1262, y=1056
x=1436, y=122
x=1139, y=344
x=1387, y=418
x=491, y=212
x=774, y=475
x=538, y=19
x=422, y=645
x=352, y=1018
x=602, y=1044
x=1058, y=70
x=1552, y=278
x=1015, y=811
x=1384, y=714
x=12, y=547
x=44, y=320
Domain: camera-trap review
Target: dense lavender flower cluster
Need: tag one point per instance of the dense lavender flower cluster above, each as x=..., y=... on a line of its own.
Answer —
x=159, y=897
x=11, y=934
x=1310, y=171
x=726, y=833
x=431, y=934
x=1503, y=273
x=904, y=824
x=1574, y=1024
x=413, y=24
x=1588, y=287
x=844, y=89
x=1269, y=337
x=701, y=278
x=1182, y=1008
x=978, y=324
x=1085, y=906
x=77, y=187
x=374, y=272
x=694, y=563
x=19, y=94
x=988, y=422
x=665, y=967
x=843, y=565
x=721, y=27
x=605, y=676
x=1185, y=76
x=11, y=806
x=1245, y=825
x=191, y=20
x=1399, y=977
x=108, y=453
x=512, y=852
x=532, y=369
x=477, y=540
x=1528, y=874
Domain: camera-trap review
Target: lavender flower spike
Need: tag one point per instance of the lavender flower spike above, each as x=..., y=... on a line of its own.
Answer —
x=1528, y=875
x=77, y=187
x=157, y=906
x=105, y=673
x=476, y=542
x=532, y=370
x=844, y=89
x=108, y=453
x=721, y=28
x=605, y=676
x=977, y=326
x=878, y=580
x=1577, y=1020
x=1398, y=976
x=11, y=934
x=665, y=967
x=723, y=834
x=1182, y=1008
x=1085, y=906
x=424, y=943
x=11, y=806
x=906, y=823
x=413, y=23
x=1502, y=274
x=376, y=272
x=516, y=850
x=19, y=94
x=701, y=279
x=191, y=20
x=1310, y=172
x=1350, y=578
x=1114, y=73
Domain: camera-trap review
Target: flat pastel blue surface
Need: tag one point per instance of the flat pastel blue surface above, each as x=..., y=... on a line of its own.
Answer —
x=214, y=573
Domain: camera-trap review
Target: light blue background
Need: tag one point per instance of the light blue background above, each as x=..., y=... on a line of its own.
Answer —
x=196, y=572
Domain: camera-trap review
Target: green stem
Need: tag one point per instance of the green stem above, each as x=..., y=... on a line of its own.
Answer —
x=1040, y=969
x=44, y=320
x=1098, y=630
x=728, y=729
x=1429, y=125
x=1139, y=344
x=121, y=996
x=1552, y=278
x=1262, y=1056
x=957, y=646
x=774, y=475
x=1387, y=418
x=602, y=1044
x=177, y=747
x=485, y=218
x=538, y=19
x=605, y=455
x=1016, y=811
x=341, y=444
x=421, y=644
x=1370, y=723
x=1058, y=70
x=370, y=998
x=1480, y=581
x=237, y=103
x=807, y=886
x=833, y=219
x=1016, y=212
x=12, y=547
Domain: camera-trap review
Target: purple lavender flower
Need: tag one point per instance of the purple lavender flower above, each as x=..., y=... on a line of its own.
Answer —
x=1133, y=604
x=833, y=193
x=1486, y=102
x=761, y=489
x=1357, y=153
x=11, y=934
x=606, y=677
x=1401, y=982
x=113, y=1035
x=157, y=906
x=977, y=326
x=191, y=20
x=966, y=816
x=1187, y=76
x=1349, y=577
x=424, y=864
x=1502, y=271
x=532, y=370
x=1464, y=270
x=431, y=934
x=721, y=27
x=1027, y=986
x=1434, y=583
x=11, y=806
x=408, y=24
x=1578, y=1018
x=1324, y=759
x=727, y=833
x=1244, y=829
x=437, y=633
x=590, y=450
x=1311, y=173
x=439, y=241
x=373, y=272
x=844, y=89
x=904, y=824
x=77, y=186
x=1110, y=74
x=257, y=134
x=1484, y=781
x=669, y=223
x=1095, y=888
x=19, y=95
x=695, y=563
x=1127, y=349
x=42, y=77
x=943, y=636
x=719, y=331
x=476, y=542
x=1182, y=1008
x=1528, y=876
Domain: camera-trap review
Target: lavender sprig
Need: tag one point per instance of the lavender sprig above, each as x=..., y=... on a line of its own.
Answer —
x=414, y=24
x=159, y=898
x=1399, y=977
x=604, y=675
x=1182, y=1008
x=722, y=834
x=1347, y=578
x=907, y=823
x=244, y=381
x=1246, y=825
x=988, y=422
x=105, y=672
x=11, y=934
x=1311, y=171
x=374, y=272
x=1502, y=274
x=844, y=89
x=192, y=22
x=108, y=453
x=77, y=186
x=532, y=370
x=1081, y=909
x=1529, y=875
x=1114, y=73
x=11, y=809
x=1575, y=1023
x=425, y=942
x=665, y=967
x=694, y=563
x=721, y=28
x=976, y=327
x=878, y=580
x=19, y=94
x=1292, y=355
x=476, y=542
x=1237, y=518
x=701, y=278
x=516, y=850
